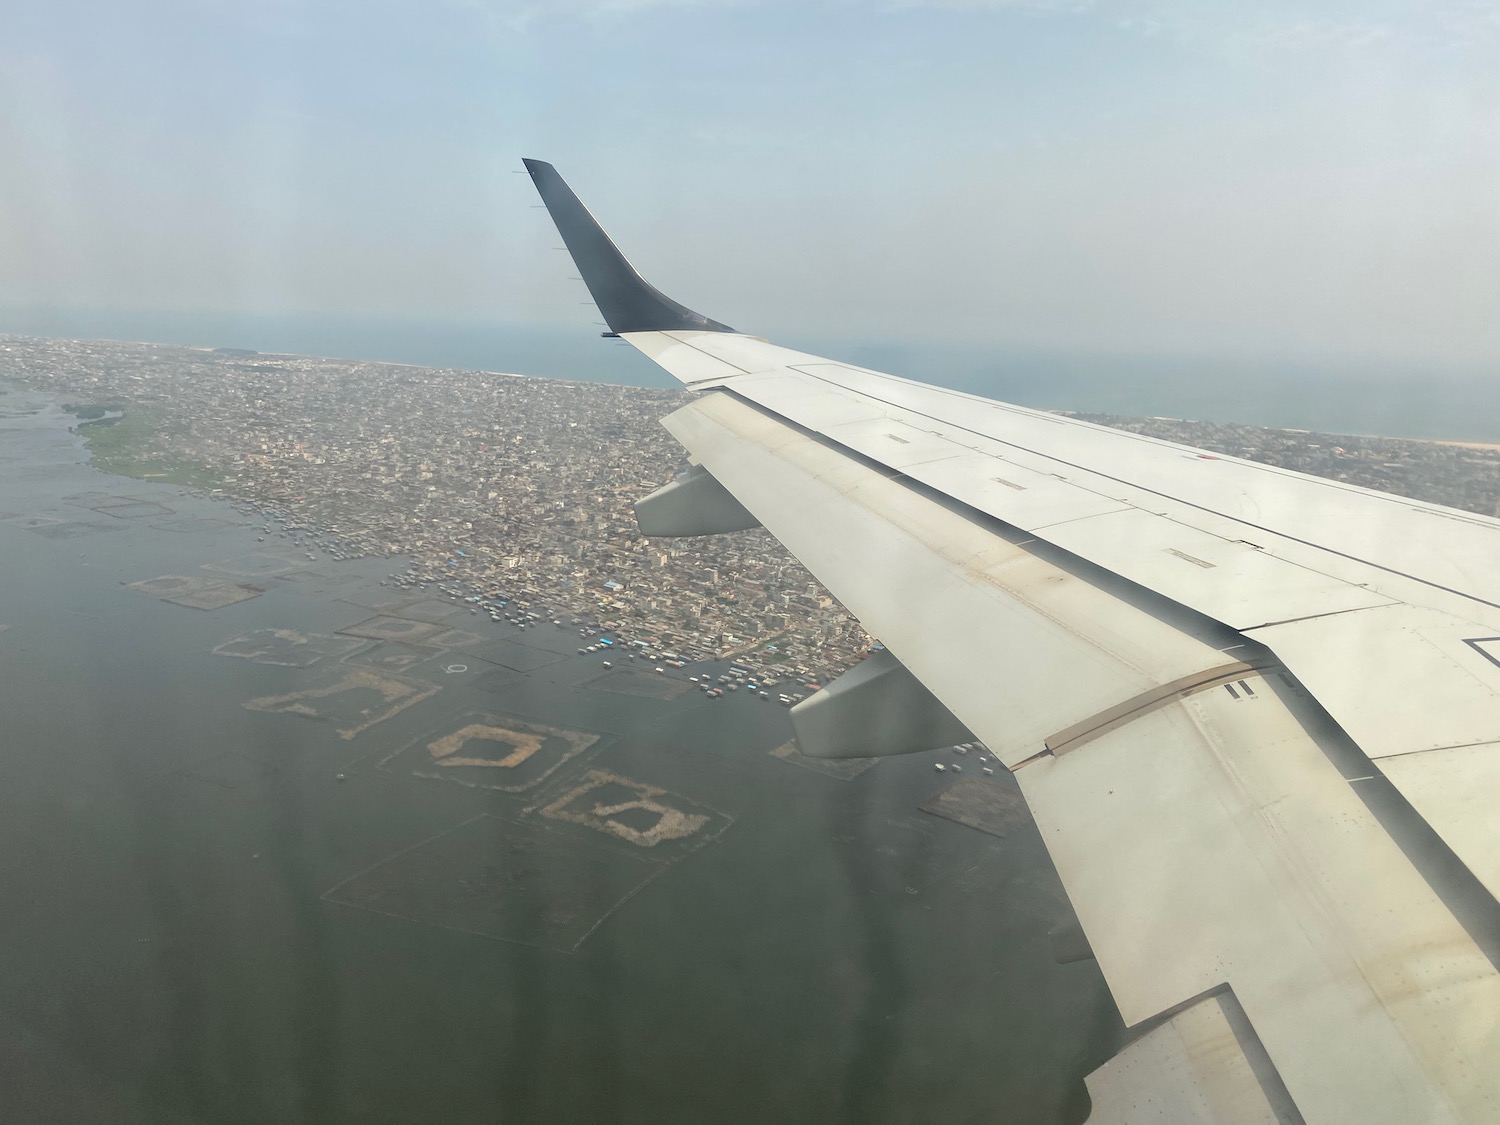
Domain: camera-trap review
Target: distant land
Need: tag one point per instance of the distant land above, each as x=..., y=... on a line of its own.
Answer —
x=1336, y=396
x=516, y=493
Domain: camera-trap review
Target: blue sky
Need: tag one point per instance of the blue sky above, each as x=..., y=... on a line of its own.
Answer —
x=1143, y=176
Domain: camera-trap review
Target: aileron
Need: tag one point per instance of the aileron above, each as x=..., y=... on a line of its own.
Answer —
x=1457, y=791
x=1397, y=678
x=1369, y=996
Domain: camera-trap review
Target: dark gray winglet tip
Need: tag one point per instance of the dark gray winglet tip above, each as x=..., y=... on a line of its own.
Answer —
x=628, y=301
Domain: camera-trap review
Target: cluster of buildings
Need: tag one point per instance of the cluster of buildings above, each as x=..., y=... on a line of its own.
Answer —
x=514, y=490
x=516, y=493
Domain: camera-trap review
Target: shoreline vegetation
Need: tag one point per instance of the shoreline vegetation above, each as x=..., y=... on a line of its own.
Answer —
x=122, y=439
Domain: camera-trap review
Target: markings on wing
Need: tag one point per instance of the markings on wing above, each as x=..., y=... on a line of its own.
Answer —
x=1070, y=738
x=1312, y=569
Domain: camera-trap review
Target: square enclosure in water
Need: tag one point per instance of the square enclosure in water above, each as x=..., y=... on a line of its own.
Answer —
x=383, y=627
x=633, y=813
x=256, y=565
x=458, y=639
x=426, y=609
x=391, y=657
x=127, y=508
x=171, y=585
x=103, y=500
x=497, y=879
x=647, y=685
x=378, y=597
x=845, y=769
x=352, y=698
x=216, y=596
x=990, y=806
x=509, y=654
x=71, y=530
x=289, y=648
x=189, y=524
x=491, y=752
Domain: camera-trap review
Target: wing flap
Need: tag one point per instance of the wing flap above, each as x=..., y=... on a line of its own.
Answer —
x=1264, y=870
x=1013, y=645
x=1204, y=1066
x=1398, y=678
x=1457, y=791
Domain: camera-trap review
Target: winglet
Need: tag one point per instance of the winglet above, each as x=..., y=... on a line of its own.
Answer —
x=628, y=301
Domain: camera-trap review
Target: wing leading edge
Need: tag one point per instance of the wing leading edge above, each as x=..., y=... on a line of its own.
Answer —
x=1134, y=626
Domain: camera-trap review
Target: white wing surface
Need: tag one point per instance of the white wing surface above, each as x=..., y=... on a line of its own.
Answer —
x=1256, y=714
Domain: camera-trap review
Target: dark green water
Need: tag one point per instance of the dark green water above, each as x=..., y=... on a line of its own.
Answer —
x=187, y=885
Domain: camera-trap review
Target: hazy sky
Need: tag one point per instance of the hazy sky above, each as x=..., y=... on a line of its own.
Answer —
x=1316, y=179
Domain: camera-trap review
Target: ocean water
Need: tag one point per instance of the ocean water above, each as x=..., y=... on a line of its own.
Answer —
x=1389, y=398
x=239, y=914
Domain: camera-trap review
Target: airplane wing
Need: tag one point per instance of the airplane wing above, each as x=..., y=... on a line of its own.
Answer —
x=1255, y=714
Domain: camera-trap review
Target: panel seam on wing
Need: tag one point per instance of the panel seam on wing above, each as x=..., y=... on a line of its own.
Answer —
x=847, y=391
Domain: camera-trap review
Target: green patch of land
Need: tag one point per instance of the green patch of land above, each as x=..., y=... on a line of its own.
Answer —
x=94, y=411
x=123, y=448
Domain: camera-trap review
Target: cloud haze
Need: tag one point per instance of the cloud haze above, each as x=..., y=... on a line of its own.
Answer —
x=1139, y=175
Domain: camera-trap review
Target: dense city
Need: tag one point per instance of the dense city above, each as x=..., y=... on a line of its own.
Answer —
x=515, y=493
